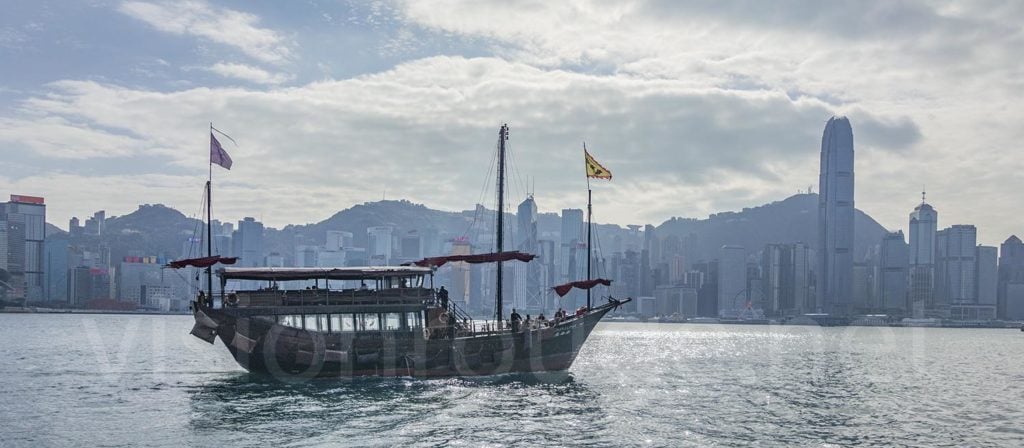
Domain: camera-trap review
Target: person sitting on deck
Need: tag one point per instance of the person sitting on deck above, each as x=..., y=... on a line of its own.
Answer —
x=528, y=323
x=516, y=318
x=542, y=321
x=363, y=287
x=581, y=311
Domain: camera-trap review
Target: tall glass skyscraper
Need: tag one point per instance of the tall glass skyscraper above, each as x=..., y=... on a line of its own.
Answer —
x=835, y=219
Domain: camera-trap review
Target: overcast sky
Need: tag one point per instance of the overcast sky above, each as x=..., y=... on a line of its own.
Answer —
x=696, y=107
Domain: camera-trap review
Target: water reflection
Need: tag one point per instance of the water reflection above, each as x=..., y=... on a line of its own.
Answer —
x=542, y=408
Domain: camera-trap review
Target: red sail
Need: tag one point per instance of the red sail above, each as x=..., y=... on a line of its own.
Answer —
x=562, y=290
x=475, y=259
x=203, y=262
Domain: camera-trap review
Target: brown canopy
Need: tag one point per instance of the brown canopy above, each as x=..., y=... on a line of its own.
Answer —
x=203, y=262
x=475, y=258
x=562, y=290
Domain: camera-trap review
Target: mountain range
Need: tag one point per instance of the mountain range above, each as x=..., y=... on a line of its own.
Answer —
x=160, y=230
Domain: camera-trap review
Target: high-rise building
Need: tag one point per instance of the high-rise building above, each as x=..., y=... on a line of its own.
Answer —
x=24, y=222
x=987, y=281
x=95, y=225
x=248, y=242
x=785, y=276
x=732, y=281
x=56, y=266
x=527, y=293
x=835, y=219
x=923, y=228
x=337, y=240
x=379, y=244
x=892, y=274
x=569, y=257
x=1010, y=294
x=956, y=274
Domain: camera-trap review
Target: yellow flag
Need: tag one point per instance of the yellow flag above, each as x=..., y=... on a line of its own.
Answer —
x=594, y=169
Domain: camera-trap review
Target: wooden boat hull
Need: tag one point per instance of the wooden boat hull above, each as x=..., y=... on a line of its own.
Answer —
x=262, y=346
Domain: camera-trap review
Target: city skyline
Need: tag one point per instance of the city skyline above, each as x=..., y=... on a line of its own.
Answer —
x=719, y=122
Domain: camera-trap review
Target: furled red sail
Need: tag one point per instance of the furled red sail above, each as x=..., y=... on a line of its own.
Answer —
x=475, y=258
x=203, y=262
x=562, y=290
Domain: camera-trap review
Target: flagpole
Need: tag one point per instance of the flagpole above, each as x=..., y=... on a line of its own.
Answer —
x=209, y=221
x=590, y=212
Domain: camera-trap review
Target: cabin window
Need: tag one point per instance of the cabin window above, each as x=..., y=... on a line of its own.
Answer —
x=348, y=322
x=392, y=321
x=310, y=322
x=335, y=323
x=368, y=322
x=322, y=322
x=291, y=321
x=413, y=320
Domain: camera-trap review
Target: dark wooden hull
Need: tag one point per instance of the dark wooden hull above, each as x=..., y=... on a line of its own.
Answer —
x=262, y=346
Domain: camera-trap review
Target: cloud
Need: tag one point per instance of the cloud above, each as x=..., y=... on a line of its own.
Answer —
x=248, y=73
x=57, y=137
x=425, y=130
x=221, y=25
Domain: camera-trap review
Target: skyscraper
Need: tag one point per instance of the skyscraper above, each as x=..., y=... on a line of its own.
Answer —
x=24, y=223
x=892, y=273
x=835, y=219
x=1011, y=279
x=569, y=267
x=956, y=271
x=732, y=281
x=923, y=227
x=785, y=272
x=379, y=245
x=248, y=242
x=527, y=293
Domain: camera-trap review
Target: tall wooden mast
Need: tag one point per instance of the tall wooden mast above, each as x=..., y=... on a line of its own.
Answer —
x=209, y=225
x=499, y=219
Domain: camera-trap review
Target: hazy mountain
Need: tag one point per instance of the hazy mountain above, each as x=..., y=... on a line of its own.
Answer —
x=160, y=230
x=794, y=219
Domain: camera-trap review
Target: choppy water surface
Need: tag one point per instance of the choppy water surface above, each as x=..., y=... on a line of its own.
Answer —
x=99, y=380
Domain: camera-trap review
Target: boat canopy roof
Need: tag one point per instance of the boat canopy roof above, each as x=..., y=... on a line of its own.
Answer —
x=330, y=273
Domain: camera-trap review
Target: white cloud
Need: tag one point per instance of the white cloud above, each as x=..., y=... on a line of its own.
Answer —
x=225, y=26
x=425, y=130
x=248, y=73
x=56, y=137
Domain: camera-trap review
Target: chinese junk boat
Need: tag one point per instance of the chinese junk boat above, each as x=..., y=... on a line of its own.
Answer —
x=382, y=320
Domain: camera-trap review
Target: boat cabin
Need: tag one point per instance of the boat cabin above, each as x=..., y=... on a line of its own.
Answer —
x=342, y=299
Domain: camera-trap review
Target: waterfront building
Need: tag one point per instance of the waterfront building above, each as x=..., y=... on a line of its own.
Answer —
x=732, y=280
x=55, y=268
x=956, y=281
x=893, y=267
x=835, y=219
x=1010, y=294
x=23, y=220
x=785, y=275
x=133, y=275
x=923, y=229
x=987, y=281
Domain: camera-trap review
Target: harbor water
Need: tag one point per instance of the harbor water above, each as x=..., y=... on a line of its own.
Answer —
x=141, y=380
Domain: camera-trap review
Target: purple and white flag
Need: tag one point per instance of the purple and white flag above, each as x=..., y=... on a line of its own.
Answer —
x=217, y=153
